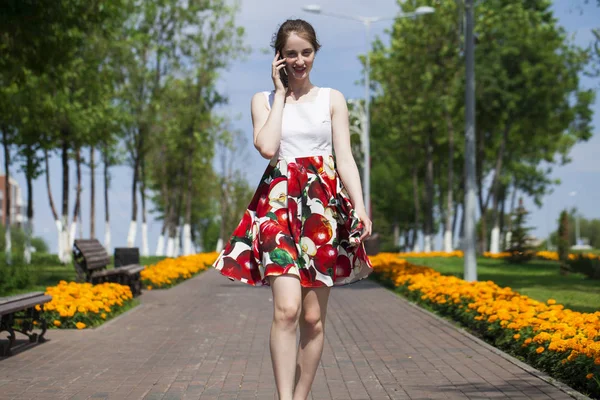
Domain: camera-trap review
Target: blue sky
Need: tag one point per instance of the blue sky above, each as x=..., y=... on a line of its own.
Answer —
x=336, y=66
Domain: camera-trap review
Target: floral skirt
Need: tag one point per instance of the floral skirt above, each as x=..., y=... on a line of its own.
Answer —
x=300, y=222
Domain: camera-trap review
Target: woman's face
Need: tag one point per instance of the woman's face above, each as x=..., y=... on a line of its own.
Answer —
x=299, y=54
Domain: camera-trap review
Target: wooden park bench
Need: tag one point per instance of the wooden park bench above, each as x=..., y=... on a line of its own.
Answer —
x=91, y=261
x=18, y=314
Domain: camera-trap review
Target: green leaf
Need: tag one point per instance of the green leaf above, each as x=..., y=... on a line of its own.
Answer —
x=281, y=257
x=301, y=262
x=272, y=215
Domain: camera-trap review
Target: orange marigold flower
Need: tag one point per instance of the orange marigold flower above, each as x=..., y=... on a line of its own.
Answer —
x=540, y=349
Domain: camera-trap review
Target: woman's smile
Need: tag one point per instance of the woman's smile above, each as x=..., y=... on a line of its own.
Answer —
x=299, y=71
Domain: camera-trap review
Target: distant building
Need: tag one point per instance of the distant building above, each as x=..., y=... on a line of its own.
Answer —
x=16, y=202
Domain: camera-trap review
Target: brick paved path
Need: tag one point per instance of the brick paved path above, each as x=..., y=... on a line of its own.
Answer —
x=208, y=338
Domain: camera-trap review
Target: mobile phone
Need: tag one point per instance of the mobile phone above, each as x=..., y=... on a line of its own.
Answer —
x=283, y=75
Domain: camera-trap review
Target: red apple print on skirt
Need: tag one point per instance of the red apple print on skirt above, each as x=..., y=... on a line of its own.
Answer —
x=301, y=222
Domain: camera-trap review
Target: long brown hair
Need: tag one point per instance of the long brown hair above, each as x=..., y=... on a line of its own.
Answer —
x=298, y=26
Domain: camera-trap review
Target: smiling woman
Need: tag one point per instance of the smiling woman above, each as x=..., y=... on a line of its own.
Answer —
x=302, y=232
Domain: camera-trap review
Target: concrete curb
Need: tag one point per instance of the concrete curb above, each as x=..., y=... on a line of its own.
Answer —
x=526, y=367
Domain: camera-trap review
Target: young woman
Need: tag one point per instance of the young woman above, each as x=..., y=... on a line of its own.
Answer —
x=303, y=230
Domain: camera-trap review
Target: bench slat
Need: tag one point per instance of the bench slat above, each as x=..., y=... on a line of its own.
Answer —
x=133, y=269
x=106, y=272
x=94, y=255
x=17, y=297
x=11, y=307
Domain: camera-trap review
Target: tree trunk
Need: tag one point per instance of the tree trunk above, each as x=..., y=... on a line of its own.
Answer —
x=105, y=161
x=133, y=224
x=92, y=195
x=160, y=247
x=178, y=220
x=77, y=208
x=450, y=211
x=196, y=236
x=396, y=231
x=7, y=191
x=502, y=204
x=461, y=233
x=171, y=226
x=513, y=199
x=454, y=222
x=144, y=251
x=495, y=237
x=57, y=220
x=66, y=258
x=187, y=233
x=224, y=200
x=482, y=204
x=29, y=222
x=417, y=204
x=428, y=231
x=136, y=167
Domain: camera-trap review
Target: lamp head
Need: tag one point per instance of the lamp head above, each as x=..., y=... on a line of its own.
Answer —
x=424, y=10
x=312, y=8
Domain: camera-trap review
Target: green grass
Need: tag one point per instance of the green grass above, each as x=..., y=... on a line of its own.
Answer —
x=49, y=275
x=537, y=279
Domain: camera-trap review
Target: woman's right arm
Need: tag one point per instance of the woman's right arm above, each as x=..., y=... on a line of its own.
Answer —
x=267, y=124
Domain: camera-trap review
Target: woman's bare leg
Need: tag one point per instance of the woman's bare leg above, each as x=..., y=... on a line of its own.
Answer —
x=312, y=337
x=287, y=302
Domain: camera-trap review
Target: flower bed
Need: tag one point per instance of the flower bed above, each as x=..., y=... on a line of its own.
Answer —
x=564, y=343
x=431, y=254
x=81, y=305
x=171, y=271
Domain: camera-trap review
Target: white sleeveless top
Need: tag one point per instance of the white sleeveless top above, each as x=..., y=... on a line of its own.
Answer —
x=306, y=127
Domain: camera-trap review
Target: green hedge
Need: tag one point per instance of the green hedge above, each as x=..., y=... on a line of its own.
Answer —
x=590, y=267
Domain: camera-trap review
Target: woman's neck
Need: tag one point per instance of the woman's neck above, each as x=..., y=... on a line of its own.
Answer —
x=299, y=89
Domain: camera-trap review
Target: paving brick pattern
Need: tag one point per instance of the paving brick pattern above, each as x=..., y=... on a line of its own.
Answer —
x=208, y=338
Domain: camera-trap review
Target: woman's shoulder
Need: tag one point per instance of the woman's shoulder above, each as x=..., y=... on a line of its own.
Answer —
x=261, y=100
x=335, y=96
x=263, y=94
x=333, y=93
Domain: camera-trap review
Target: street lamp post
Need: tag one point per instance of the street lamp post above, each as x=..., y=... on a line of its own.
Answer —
x=470, y=261
x=366, y=122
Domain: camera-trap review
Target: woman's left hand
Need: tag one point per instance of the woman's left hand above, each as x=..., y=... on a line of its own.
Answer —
x=364, y=218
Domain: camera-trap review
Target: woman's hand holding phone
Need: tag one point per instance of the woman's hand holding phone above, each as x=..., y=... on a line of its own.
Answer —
x=278, y=74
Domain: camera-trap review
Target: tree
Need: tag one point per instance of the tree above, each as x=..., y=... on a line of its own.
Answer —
x=417, y=111
x=563, y=242
x=45, y=45
x=531, y=106
x=520, y=248
x=532, y=111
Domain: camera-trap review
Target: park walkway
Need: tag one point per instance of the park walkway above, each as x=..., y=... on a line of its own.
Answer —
x=208, y=338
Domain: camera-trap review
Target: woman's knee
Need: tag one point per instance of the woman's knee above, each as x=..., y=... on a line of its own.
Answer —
x=312, y=321
x=287, y=312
